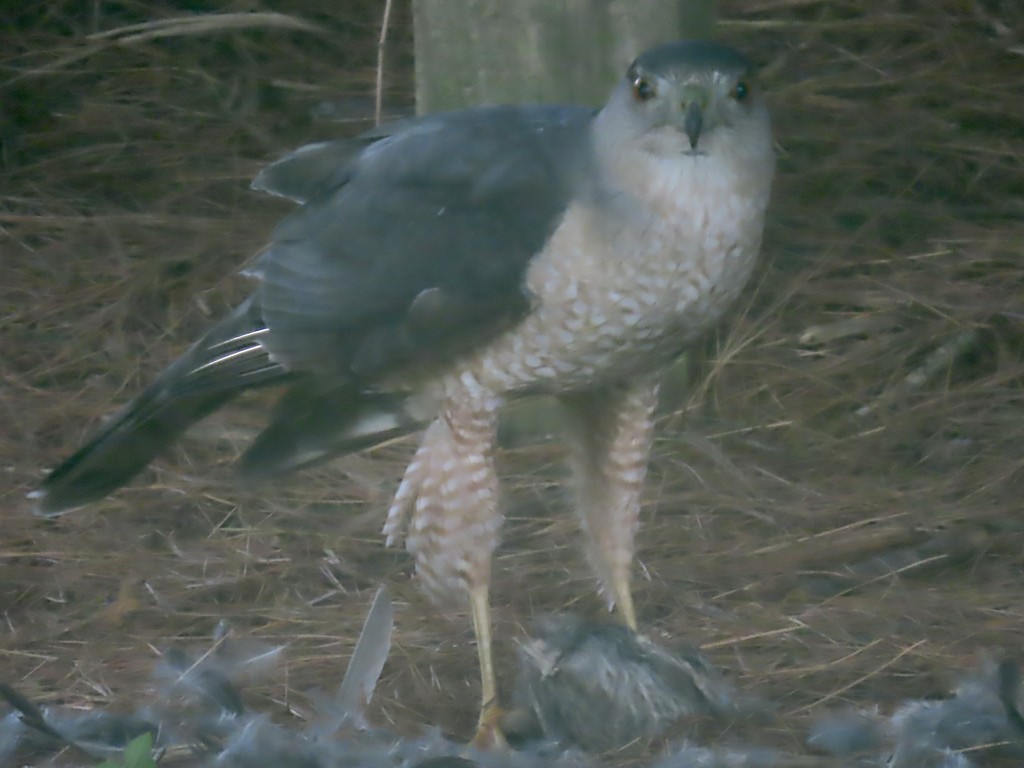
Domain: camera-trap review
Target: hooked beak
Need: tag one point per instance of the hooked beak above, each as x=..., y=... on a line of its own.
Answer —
x=694, y=99
x=693, y=122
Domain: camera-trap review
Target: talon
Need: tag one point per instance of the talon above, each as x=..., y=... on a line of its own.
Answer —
x=489, y=734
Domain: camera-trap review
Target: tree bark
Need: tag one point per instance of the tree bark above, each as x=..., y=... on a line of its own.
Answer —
x=476, y=52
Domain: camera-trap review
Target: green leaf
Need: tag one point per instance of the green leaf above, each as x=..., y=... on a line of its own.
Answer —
x=139, y=752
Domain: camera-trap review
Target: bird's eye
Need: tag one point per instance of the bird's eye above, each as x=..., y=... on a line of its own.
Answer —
x=643, y=89
x=741, y=91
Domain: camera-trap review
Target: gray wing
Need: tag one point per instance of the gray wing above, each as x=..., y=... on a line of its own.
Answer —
x=410, y=246
x=416, y=245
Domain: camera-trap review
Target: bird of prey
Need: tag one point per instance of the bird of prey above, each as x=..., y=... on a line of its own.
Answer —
x=441, y=266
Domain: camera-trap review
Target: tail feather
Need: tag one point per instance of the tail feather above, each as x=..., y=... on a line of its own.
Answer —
x=316, y=419
x=122, y=449
x=312, y=424
x=211, y=373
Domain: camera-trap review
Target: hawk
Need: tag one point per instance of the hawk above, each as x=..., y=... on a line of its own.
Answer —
x=440, y=266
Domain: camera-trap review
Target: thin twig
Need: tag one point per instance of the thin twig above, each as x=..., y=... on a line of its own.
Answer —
x=378, y=104
x=859, y=680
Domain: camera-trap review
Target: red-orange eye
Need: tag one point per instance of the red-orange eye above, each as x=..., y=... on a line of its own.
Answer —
x=643, y=90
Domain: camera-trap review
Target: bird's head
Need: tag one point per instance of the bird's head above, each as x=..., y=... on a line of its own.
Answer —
x=691, y=97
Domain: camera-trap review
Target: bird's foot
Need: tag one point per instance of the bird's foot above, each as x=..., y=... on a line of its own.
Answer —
x=488, y=730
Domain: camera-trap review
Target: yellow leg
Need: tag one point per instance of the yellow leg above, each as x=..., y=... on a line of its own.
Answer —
x=611, y=432
x=624, y=601
x=488, y=733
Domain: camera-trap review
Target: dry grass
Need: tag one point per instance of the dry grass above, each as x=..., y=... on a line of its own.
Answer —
x=834, y=507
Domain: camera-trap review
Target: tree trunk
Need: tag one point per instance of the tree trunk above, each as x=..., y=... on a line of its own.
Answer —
x=473, y=52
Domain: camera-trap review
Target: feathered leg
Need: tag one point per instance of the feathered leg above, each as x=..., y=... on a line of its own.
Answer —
x=447, y=504
x=611, y=433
